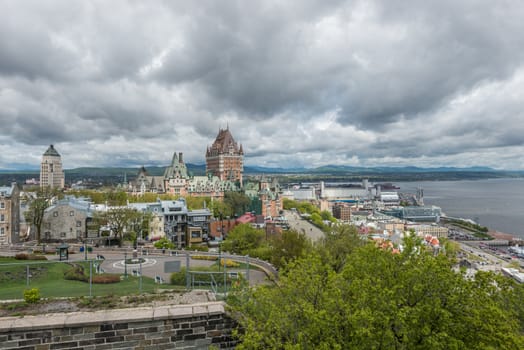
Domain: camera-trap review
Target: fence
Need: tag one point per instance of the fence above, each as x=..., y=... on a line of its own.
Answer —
x=124, y=272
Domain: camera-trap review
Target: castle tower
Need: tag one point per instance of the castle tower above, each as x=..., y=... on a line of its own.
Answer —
x=51, y=173
x=225, y=158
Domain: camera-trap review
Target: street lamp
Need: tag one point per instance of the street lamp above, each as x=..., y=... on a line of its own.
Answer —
x=125, y=263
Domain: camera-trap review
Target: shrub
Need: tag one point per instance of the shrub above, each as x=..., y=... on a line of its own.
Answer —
x=25, y=256
x=200, y=248
x=204, y=257
x=106, y=279
x=179, y=278
x=229, y=263
x=76, y=274
x=32, y=296
x=164, y=243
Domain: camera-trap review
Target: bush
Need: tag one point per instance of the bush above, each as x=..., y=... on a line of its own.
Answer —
x=106, y=279
x=25, y=256
x=179, y=278
x=200, y=248
x=164, y=243
x=229, y=263
x=204, y=257
x=76, y=274
x=32, y=296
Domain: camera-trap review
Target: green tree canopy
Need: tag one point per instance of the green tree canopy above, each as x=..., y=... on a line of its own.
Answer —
x=288, y=246
x=242, y=239
x=238, y=202
x=120, y=219
x=37, y=206
x=380, y=300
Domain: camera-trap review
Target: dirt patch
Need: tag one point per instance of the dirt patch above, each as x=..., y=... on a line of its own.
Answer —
x=20, y=308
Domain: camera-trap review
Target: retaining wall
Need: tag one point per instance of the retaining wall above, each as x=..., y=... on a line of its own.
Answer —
x=196, y=326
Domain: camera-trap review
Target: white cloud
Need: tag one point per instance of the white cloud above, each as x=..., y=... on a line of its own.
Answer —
x=300, y=83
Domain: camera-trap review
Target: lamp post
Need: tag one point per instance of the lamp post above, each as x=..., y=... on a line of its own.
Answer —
x=125, y=264
x=219, y=255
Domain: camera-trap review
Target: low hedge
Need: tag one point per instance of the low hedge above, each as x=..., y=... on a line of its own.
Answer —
x=204, y=257
x=25, y=256
x=106, y=279
x=77, y=274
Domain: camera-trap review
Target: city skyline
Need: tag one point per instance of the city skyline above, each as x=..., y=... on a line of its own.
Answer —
x=299, y=84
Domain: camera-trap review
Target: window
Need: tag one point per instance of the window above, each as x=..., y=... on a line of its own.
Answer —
x=2, y=218
x=71, y=213
x=2, y=231
x=62, y=234
x=2, y=205
x=78, y=223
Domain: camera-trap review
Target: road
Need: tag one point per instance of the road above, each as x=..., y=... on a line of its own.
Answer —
x=489, y=261
x=301, y=225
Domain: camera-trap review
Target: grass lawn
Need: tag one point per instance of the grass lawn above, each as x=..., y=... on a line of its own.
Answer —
x=49, y=278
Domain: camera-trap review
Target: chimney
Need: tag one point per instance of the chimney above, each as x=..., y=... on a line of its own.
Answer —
x=180, y=159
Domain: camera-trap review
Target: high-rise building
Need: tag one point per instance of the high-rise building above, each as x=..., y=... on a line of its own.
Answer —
x=225, y=158
x=51, y=173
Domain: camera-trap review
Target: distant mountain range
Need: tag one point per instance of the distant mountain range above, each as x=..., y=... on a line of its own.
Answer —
x=200, y=169
x=338, y=169
x=97, y=176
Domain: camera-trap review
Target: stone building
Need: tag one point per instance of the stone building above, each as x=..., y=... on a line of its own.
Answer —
x=225, y=158
x=51, y=173
x=146, y=183
x=66, y=220
x=9, y=214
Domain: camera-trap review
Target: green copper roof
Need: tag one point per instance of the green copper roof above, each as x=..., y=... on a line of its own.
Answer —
x=51, y=151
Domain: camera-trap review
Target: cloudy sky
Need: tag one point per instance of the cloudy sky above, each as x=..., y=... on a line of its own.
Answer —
x=300, y=83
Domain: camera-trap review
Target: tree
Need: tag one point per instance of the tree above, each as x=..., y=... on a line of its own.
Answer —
x=288, y=247
x=220, y=209
x=238, y=202
x=119, y=219
x=380, y=300
x=164, y=243
x=37, y=206
x=243, y=239
x=338, y=244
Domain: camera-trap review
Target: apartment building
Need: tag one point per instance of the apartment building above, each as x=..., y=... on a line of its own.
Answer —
x=9, y=214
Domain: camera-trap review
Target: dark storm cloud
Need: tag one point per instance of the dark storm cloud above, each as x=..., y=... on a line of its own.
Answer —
x=298, y=82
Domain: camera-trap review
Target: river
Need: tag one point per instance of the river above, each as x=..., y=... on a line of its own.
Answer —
x=495, y=203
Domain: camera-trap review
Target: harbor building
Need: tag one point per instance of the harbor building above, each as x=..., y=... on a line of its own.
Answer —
x=51, y=173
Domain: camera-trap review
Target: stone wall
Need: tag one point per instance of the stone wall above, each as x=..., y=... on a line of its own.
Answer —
x=196, y=326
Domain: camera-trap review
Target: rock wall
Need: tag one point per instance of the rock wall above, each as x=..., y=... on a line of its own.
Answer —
x=197, y=326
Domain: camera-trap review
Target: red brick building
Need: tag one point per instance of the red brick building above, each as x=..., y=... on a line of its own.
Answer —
x=225, y=158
